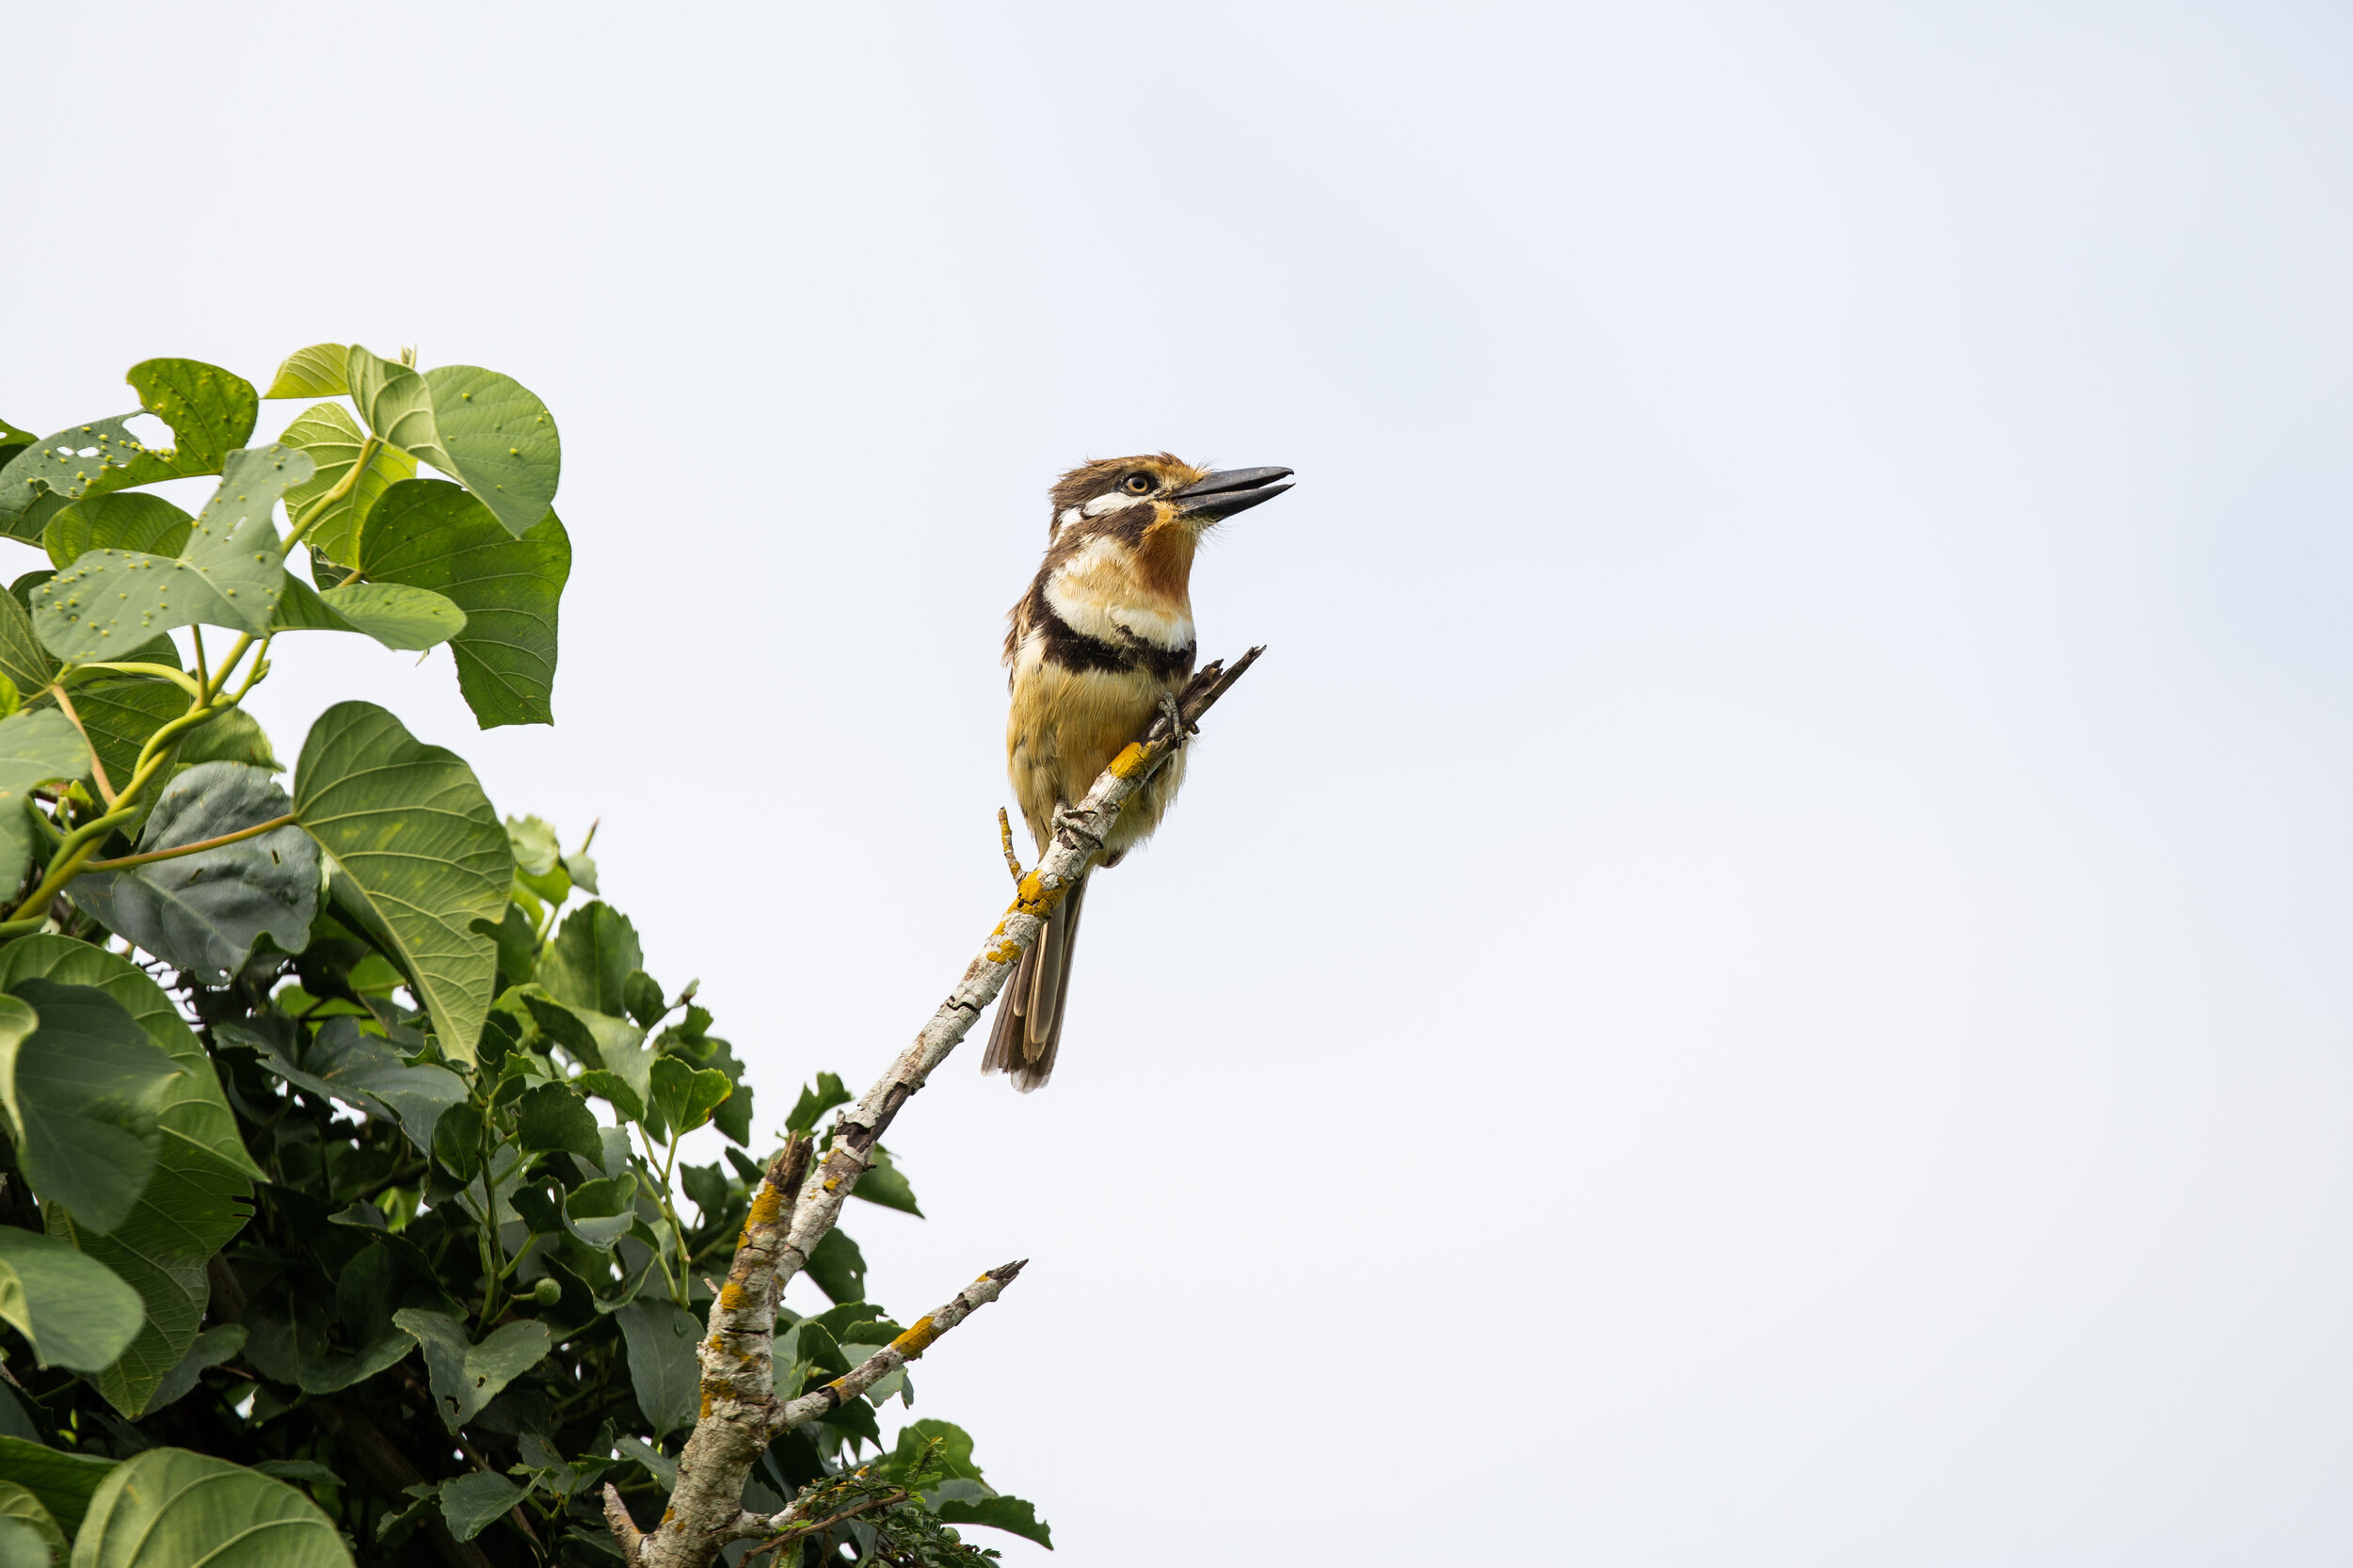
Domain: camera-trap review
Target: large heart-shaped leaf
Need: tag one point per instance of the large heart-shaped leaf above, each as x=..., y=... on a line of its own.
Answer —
x=203, y=912
x=472, y=1501
x=64, y=465
x=124, y=521
x=298, y=1343
x=410, y=829
x=467, y=1376
x=75, y=1310
x=500, y=439
x=333, y=439
x=83, y=1088
x=169, y=1507
x=662, y=1371
x=36, y=745
x=553, y=1116
x=111, y=600
x=22, y=1509
x=313, y=371
x=211, y=412
x=427, y=534
x=63, y=1482
x=363, y=1070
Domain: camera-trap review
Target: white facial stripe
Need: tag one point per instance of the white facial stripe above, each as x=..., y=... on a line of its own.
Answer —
x=1069, y=516
x=1113, y=502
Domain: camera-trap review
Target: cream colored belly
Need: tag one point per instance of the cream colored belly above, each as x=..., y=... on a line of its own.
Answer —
x=1064, y=730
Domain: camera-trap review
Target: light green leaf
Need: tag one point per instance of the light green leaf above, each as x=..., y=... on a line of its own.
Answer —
x=395, y=615
x=394, y=403
x=534, y=844
x=208, y=1349
x=230, y=574
x=498, y=438
x=211, y=412
x=22, y=1509
x=333, y=439
x=313, y=371
x=22, y=1545
x=76, y=1312
x=472, y=1501
x=409, y=826
x=125, y=521
x=431, y=535
x=122, y=711
x=169, y=1507
x=36, y=745
x=662, y=1370
x=23, y=660
x=63, y=1482
x=65, y=464
x=235, y=736
x=683, y=1097
x=467, y=1376
x=82, y=1090
x=194, y=1114
x=203, y=912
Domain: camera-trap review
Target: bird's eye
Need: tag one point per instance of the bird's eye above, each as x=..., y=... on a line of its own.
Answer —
x=1138, y=483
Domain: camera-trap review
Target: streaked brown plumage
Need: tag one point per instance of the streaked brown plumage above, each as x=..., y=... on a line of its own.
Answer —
x=1104, y=632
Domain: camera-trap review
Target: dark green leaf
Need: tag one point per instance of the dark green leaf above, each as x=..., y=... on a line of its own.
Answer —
x=364, y=1071
x=23, y=660
x=120, y=713
x=234, y=736
x=297, y=1344
x=498, y=437
x=553, y=1116
x=203, y=912
x=1011, y=1515
x=83, y=1085
x=169, y=1507
x=515, y=940
x=611, y=1087
x=588, y=964
x=409, y=827
x=64, y=465
x=599, y=1213
x=125, y=521
x=883, y=1184
x=36, y=745
x=109, y=601
x=399, y=617
x=708, y=1185
x=467, y=1376
x=662, y=1365
x=815, y=1102
x=642, y=996
x=333, y=440
x=458, y=1139
x=208, y=1349
x=431, y=535
x=472, y=1501
x=685, y=1096
x=76, y=1311
x=63, y=1482
x=839, y=1268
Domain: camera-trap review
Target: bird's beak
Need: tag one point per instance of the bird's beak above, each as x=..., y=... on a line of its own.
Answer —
x=1228, y=490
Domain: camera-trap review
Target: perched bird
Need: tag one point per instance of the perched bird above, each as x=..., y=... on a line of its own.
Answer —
x=1100, y=642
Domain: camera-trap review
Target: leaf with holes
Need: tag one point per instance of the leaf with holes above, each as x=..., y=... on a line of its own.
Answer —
x=76, y=1312
x=429, y=534
x=467, y=1376
x=124, y=521
x=425, y=856
x=333, y=439
x=203, y=912
x=230, y=573
x=211, y=412
x=169, y=1507
x=82, y=1087
x=64, y=465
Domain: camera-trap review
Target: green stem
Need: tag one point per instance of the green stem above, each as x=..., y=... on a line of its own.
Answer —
x=198, y=847
x=317, y=509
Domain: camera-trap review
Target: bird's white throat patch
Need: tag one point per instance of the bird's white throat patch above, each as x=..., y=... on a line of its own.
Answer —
x=1096, y=593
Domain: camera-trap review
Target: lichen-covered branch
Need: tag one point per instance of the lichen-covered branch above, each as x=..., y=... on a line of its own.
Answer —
x=908, y=1347
x=740, y=1409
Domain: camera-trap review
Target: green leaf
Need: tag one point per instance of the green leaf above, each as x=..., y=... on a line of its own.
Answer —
x=364, y=1071
x=63, y=1482
x=467, y=1376
x=76, y=1311
x=22, y=1545
x=397, y=615
x=194, y=1114
x=472, y=1501
x=36, y=745
x=122, y=711
x=431, y=535
x=211, y=412
x=588, y=964
x=125, y=521
x=169, y=1507
x=313, y=371
x=642, y=996
x=333, y=439
x=599, y=1213
x=65, y=464
x=208, y=1349
x=498, y=438
x=234, y=736
x=84, y=1088
x=662, y=1370
x=23, y=1508
x=1011, y=1515
x=660, y=1467
x=394, y=403
x=203, y=912
x=838, y=1267
x=685, y=1096
x=623, y=1096
x=815, y=1102
x=535, y=846
x=410, y=828
x=884, y=1184
x=23, y=660
x=230, y=573
x=553, y=1116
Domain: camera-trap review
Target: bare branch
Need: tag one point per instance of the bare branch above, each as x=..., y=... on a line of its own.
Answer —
x=740, y=1409
x=908, y=1347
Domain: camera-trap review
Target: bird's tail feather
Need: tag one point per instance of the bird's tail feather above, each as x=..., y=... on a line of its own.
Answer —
x=1030, y=1013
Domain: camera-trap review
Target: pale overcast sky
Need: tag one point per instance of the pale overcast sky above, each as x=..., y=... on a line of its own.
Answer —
x=1759, y=976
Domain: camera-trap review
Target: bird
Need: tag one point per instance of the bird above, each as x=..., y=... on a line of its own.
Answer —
x=1102, y=639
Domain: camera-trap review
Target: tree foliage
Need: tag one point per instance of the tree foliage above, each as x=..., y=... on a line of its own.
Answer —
x=347, y=1202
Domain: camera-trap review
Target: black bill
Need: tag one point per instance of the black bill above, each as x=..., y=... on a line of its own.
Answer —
x=1229, y=490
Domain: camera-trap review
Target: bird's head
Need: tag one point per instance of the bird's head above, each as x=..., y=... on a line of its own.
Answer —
x=1137, y=495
